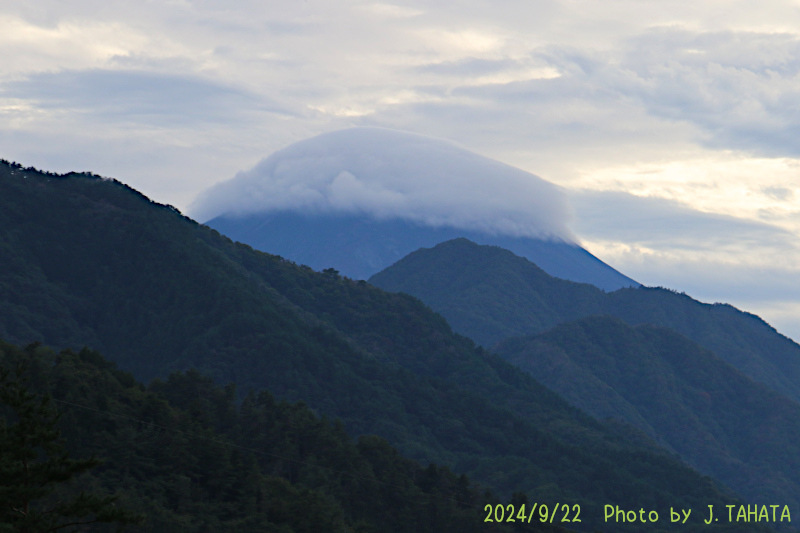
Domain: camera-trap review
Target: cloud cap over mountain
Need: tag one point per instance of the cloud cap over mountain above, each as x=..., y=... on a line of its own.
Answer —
x=388, y=174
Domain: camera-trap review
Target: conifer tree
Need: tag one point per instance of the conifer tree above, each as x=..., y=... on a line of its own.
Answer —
x=35, y=468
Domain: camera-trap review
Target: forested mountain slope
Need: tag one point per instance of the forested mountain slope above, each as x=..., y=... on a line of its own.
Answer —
x=715, y=417
x=489, y=294
x=88, y=261
x=182, y=453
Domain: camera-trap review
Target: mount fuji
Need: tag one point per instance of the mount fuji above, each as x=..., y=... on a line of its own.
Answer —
x=360, y=199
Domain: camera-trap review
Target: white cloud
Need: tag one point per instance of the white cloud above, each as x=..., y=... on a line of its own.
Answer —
x=393, y=174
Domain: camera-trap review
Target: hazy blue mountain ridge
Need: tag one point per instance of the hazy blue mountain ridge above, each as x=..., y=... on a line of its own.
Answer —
x=360, y=246
x=489, y=294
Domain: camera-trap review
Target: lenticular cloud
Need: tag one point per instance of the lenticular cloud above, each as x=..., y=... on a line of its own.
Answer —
x=386, y=174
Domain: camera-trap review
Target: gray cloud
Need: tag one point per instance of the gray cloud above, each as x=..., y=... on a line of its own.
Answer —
x=286, y=27
x=739, y=90
x=712, y=257
x=138, y=95
x=467, y=67
x=668, y=224
x=392, y=174
x=144, y=63
x=778, y=193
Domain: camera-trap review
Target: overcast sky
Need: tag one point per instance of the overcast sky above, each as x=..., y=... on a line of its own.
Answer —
x=673, y=127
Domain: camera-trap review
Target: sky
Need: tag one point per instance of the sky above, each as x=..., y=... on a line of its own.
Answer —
x=672, y=128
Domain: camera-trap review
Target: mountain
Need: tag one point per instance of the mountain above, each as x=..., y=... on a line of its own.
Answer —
x=681, y=394
x=359, y=199
x=489, y=294
x=89, y=261
x=185, y=455
x=360, y=246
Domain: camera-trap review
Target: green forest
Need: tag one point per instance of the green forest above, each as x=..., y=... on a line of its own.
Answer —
x=182, y=455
